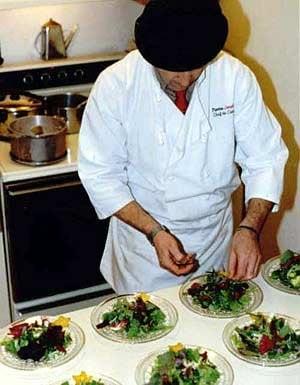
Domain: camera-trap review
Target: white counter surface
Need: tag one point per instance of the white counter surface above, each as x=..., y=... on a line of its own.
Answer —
x=12, y=171
x=119, y=360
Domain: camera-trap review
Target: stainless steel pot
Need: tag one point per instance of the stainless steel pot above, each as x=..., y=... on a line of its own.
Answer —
x=14, y=105
x=68, y=106
x=38, y=140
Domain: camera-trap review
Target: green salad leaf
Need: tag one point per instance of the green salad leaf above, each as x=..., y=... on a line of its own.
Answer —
x=135, y=318
x=288, y=272
x=38, y=341
x=220, y=294
x=271, y=338
x=183, y=366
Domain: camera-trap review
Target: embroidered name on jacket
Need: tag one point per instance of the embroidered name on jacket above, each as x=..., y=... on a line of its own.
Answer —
x=221, y=111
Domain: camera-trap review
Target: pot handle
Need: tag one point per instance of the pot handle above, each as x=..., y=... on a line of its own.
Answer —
x=81, y=104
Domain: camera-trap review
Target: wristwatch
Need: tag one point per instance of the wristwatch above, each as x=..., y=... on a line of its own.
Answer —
x=155, y=230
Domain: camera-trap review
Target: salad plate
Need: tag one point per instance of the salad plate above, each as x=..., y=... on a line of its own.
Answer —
x=214, y=295
x=84, y=378
x=134, y=318
x=264, y=339
x=40, y=342
x=283, y=272
x=184, y=365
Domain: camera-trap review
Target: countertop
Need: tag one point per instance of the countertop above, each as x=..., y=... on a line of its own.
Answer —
x=11, y=171
x=120, y=360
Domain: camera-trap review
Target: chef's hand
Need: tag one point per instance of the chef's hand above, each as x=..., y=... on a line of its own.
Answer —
x=172, y=256
x=245, y=256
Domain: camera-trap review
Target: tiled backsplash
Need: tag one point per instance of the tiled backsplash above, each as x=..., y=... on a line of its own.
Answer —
x=104, y=26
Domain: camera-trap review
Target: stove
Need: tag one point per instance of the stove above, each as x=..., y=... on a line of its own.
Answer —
x=56, y=76
x=53, y=240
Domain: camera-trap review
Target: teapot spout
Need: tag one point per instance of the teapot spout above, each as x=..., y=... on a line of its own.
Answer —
x=70, y=36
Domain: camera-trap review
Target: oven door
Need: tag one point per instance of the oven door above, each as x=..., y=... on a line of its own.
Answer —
x=54, y=241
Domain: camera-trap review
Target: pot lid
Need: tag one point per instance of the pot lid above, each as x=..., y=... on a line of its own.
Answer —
x=19, y=101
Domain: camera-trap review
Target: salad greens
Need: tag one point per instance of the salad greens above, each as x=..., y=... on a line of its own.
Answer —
x=289, y=270
x=183, y=366
x=220, y=294
x=83, y=379
x=38, y=341
x=271, y=338
x=135, y=318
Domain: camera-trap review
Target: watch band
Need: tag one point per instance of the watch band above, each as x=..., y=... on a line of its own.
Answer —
x=244, y=227
x=155, y=230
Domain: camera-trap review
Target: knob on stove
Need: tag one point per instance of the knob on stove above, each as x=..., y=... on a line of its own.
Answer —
x=28, y=80
x=45, y=78
x=78, y=74
x=62, y=75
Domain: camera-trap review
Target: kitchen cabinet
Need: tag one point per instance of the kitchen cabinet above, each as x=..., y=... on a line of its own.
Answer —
x=11, y=4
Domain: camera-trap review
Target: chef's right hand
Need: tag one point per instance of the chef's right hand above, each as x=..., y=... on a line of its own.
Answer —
x=172, y=256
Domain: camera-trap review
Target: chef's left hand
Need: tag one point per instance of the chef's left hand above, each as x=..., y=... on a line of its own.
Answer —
x=245, y=256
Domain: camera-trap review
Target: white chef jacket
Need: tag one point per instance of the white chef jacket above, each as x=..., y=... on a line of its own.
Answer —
x=135, y=144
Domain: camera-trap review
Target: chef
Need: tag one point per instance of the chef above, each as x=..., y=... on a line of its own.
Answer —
x=162, y=135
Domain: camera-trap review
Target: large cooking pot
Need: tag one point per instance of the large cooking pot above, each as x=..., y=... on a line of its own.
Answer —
x=68, y=106
x=14, y=105
x=38, y=140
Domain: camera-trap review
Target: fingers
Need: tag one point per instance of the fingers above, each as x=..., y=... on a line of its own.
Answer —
x=245, y=257
x=182, y=258
x=250, y=272
x=257, y=266
x=232, y=265
x=168, y=263
x=172, y=256
x=253, y=267
x=244, y=268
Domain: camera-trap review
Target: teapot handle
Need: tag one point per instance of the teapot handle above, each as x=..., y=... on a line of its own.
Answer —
x=36, y=43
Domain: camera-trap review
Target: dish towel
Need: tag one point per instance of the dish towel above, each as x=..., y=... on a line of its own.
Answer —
x=181, y=101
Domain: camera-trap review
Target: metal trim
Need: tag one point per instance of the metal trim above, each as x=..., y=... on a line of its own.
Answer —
x=58, y=297
x=48, y=188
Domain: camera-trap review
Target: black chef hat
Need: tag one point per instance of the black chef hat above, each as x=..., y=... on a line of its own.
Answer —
x=180, y=35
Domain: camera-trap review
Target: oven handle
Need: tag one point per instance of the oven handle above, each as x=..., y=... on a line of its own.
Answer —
x=46, y=188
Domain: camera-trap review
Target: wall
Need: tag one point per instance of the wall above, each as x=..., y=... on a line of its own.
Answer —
x=104, y=26
x=265, y=35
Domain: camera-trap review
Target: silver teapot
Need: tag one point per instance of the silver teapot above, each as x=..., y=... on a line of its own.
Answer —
x=53, y=43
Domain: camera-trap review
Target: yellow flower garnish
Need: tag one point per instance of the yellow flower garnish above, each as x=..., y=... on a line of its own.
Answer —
x=224, y=274
x=176, y=348
x=61, y=321
x=82, y=378
x=145, y=297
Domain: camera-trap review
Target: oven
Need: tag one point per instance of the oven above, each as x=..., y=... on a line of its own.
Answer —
x=53, y=240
